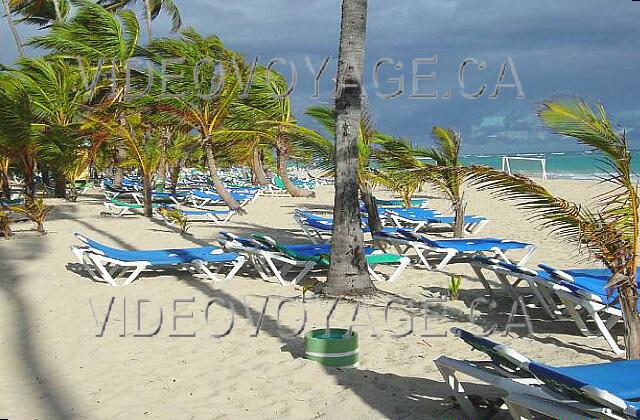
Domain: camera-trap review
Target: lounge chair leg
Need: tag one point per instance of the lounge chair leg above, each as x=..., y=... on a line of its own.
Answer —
x=483, y=279
x=404, y=263
x=606, y=333
x=517, y=411
x=575, y=315
x=237, y=265
x=458, y=390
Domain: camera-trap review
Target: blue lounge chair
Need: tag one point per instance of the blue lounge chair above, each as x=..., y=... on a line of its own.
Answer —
x=107, y=264
x=200, y=199
x=399, y=203
x=218, y=217
x=436, y=254
x=424, y=219
x=580, y=291
x=318, y=228
x=602, y=390
x=273, y=259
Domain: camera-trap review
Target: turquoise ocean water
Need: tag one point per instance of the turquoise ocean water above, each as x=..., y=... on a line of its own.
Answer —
x=577, y=165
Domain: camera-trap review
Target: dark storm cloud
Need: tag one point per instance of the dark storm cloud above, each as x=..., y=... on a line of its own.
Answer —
x=585, y=47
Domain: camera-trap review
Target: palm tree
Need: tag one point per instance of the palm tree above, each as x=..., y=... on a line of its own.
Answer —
x=104, y=42
x=401, y=163
x=182, y=147
x=19, y=134
x=152, y=9
x=56, y=91
x=5, y=187
x=265, y=117
x=141, y=142
x=369, y=139
x=348, y=270
x=193, y=98
x=394, y=157
x=40, y=12
x=608, y=233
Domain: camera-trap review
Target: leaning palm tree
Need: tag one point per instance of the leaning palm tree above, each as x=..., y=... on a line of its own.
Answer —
x=103, y=43
x=56, y=92
x=444, y=174
x=152, y=9
x=265, y=117
x=348, y=270
x=19, y=133
x=607, y=233
x=198, y=101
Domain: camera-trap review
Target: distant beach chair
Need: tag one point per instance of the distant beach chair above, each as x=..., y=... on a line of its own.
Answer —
x=121, y=208
x=415, y=203
x=436, y=254
x=200, y=199
x=107, y=264
x=162, y=197
x=304, y=256
x=268, y=263
x=218, y=217
x=580, y=291
x=422, y=219
x=320, y=255
x=318, y=228
x=602, y=391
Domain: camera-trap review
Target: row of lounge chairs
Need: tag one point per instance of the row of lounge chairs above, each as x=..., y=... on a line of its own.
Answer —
x=318, y=227
x=577, y=294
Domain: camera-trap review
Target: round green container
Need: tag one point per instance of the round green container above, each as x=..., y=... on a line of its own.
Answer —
x=336, y=349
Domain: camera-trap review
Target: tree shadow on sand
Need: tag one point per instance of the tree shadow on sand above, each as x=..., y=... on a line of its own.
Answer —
x=53, y=396
x=392, y=396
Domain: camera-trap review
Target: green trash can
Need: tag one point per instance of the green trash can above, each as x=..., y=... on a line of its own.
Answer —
x=338, y=348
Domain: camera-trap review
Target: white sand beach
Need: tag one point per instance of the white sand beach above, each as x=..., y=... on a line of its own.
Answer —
x=53, y=366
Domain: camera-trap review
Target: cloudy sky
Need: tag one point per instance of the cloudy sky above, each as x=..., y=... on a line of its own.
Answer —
x=584, y=47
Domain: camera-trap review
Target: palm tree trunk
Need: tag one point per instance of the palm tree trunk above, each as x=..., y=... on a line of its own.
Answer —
x=118, y=175
x=459, y=209
x=257, y=168
x=162, y=165
x=4, y=179
x=28, y=170
x=348, y=271
x=60, y=185
x=373, y=216
x=147, y=18
x=146, y=191
x=292, y=189
x=175, y=176
x=12, y=27
x=629, y=306
x=56, y=7
x=217, y=183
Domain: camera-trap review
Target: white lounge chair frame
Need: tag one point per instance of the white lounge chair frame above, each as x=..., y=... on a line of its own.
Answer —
x=425, y=252
x=417, y=225
x=522, y=396
x=571, y=301
x=105, y=269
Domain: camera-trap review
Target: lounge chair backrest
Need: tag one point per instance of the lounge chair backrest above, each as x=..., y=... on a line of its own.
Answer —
x=567, y=385
x=503, y=356
x=245, y=242
x=557, y=274
x=412, y=236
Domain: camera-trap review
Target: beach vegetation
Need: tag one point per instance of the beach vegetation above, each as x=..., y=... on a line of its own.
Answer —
x=607, y=231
